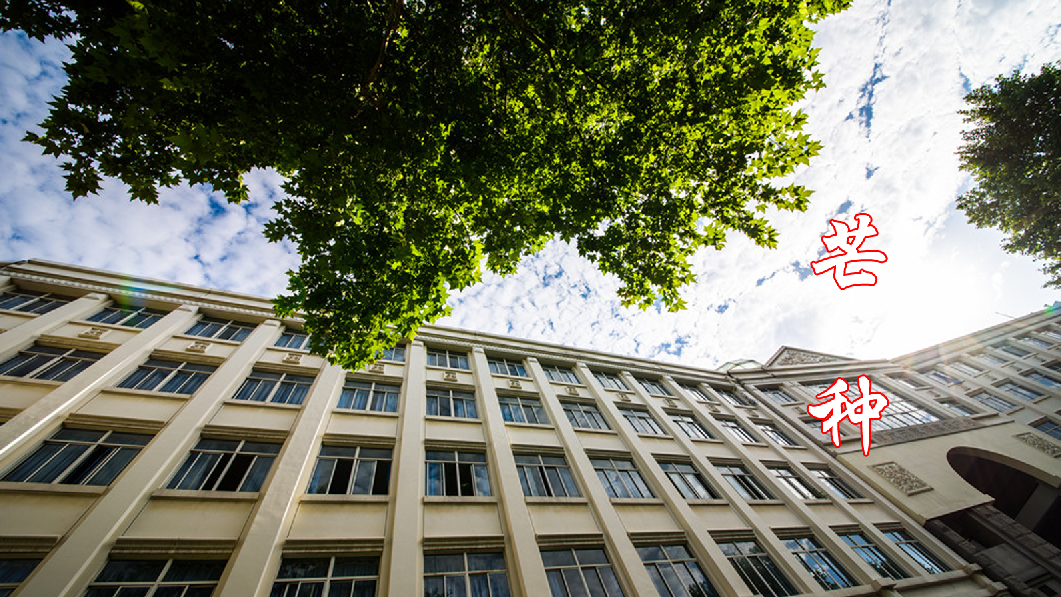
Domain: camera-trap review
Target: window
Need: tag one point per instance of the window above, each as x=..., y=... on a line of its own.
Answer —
x=1036, y=342
x=507, y=367
x=734, y=398
x=942, y=377
x=457, y=474
x=293, y=340
x=744, y=482
x=963, y=367
x=902, y=413
x=516, y=409
x=157, y=375
x=835, y=484
x=993, y=401
x=796, y=484
x=560, y=374
x=873, y=556
x=79, y=457
x=542, y=475
x=451, y=403
x=776, y=435
x=396, y=354
x=448, y=359
x=675, y=572
x=738, y=431
x=779, y=396
x=459, y=574
x=13, y=571
x=829, y=574
x=584, y=416
x=225, y=465
x=698, y=394
x=902, y=378
x=346, y=576
x=221, y=329
x=610, y=381
x=960, y=409
x=367, y=395
x=620, y=478
x=1019, y=391
x=32, y=302
x=351, y=470
x=756, y=569
x=654, y=387
x=1050, y=333
x=134, y=317
x=49, y=362
x=1049, y=428
x=277, y=388
x=157, y=578
x=688, y=481
x=915, y=550
x=642, y=421
x=690, y=426
x=1046, y=380
x=1013, y=350
x=580, y=573
x=990, y=358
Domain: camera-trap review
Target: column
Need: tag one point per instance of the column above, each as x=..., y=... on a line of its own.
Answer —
x=261, y=544
x=520, y=540
x=402, y=564
x=626, y=563
x=82, y=553
x=50, y=410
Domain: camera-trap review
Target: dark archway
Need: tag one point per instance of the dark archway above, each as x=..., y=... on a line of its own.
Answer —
x=1027, y=499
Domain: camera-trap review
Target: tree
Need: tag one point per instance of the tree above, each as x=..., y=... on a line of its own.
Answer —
x=1014, y=154
x=422, y=141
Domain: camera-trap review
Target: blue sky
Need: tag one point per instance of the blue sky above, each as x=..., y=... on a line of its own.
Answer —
x=896, y=72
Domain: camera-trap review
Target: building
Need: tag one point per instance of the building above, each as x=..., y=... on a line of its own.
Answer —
x=161, y=439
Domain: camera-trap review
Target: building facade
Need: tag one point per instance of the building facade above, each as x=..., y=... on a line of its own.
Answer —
x=161, y=439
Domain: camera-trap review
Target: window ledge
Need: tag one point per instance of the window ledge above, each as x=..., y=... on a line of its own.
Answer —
x=566, y=384
x=718, y=502
x=454, y=499
x=637, y=501
x=345, y=498
x=43, y=382
x=539, y=499
x=860, y=501
x=373, y=413
x=507, y=376
x=198, y=494
x=437, y=368
x=788, y=447
x=452, y=419
x=529, y=425
x=591, y=430
x=769, y=502
x=655, y=435
x=151, y=393
x=206, y=339
x=818, y=501
x=706, y=440
x=110, y=326
x=266, y=404
x=56, y=488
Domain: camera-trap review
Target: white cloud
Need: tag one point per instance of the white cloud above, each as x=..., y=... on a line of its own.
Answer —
x=896, y=74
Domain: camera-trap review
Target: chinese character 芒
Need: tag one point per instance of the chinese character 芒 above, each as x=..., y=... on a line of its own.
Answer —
x=861, y=411
x=848, y=242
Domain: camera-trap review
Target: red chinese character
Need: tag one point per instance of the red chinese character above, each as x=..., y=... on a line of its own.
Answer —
x=868, y=406
x=848, y=241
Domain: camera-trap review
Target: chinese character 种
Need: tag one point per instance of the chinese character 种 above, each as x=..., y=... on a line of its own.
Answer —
x=861, y=411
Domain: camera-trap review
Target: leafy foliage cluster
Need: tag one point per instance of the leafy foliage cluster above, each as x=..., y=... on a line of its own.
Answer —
x=1013, y=151
x=423, y=140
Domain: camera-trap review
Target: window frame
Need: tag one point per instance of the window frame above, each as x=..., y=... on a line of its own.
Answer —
x=773, y=393
x=626, y=477
x=698, y=394
x=507, y=367
x=744, y=482
x=774, y=433
x=586, y=570
x=514, y=406
x=596, y=416
x=917, y=551
x=750, y=561
x=561, y=374
x=160, y=578
x=610, y=381
x=541, y=475
x=98, y=462
x=378, y=475
x=291, y=335
x=874, y=556
x=691, y=481
x=451, y=359
x=991, y=401
x=1018, y=391
x=466, y=575
x=138, y=316
x=475, y=477
x=737, y=431
x=329, y=580
x=458, y=402
x=386, y=395
x=228, y=330
x=38, y=303
x=791, y=480
x=220, y=468
x=14, y=575
x=688, y=421
x=819, y=563
x=654, y=387
x=185, y=378
x=642, y=421
x=58, y=364
x=289, y=388
x=835, y=483
x=672, y=569
x=733, y=397
x=1047, y=427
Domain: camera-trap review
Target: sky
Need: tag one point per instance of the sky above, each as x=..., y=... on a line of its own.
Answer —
x=896, y=72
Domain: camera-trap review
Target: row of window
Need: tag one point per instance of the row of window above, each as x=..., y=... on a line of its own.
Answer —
x=571, y=572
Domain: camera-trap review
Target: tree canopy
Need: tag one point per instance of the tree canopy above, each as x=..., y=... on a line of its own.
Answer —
x=1014, y=153
x=423, y=141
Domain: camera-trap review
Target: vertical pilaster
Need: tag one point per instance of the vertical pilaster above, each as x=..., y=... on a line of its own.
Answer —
x=626, y=562
x=402, y=564
x=50, y=410
x=527, y=570
x=24, y=334
x=261, y=545
x=80, y=555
